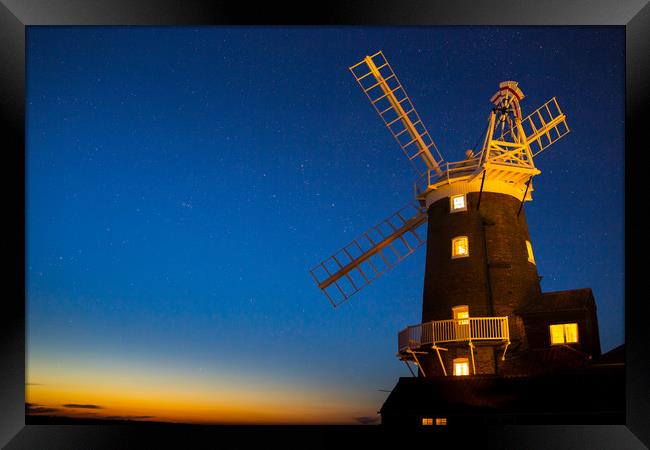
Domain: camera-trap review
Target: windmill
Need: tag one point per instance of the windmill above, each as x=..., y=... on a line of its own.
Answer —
x=479, y=264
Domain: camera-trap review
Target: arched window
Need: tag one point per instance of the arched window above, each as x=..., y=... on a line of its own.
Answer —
x=459, y=247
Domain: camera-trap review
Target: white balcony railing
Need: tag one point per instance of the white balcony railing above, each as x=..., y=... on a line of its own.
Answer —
x=460, y=330
x=447, y=171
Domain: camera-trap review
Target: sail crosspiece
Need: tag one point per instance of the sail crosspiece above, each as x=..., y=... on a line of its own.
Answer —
x=370, y=255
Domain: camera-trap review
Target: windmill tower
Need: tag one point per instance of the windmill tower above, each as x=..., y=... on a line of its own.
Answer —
x=480, y=269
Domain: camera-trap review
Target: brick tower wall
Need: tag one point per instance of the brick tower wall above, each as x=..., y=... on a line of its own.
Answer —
x=494, y=280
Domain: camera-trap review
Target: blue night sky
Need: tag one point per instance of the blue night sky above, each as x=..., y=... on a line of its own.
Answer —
x=181, y=182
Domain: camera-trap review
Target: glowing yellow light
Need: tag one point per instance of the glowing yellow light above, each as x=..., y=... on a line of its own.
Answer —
x=557, y=334
x=458, y=202
x=461, y=314
x=531, y=258
x=441, y=421
x=427, y=421
x=564, y=333
x=571, y=332
x=461, y=366
x=459, y=247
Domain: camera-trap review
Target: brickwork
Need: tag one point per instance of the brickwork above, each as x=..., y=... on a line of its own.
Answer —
x=484, y=359
x=494, y=280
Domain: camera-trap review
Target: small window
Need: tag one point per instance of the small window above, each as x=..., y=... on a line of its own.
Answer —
x=566, y=333
x=441, y=421
x=461, y=314
x=458, y=203
x=461, y=366
x=459, y=247
x=427, y=421
x=531, y=258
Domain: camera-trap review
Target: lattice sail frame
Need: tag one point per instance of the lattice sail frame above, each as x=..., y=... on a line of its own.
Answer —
x=544, y=126
x=387, y=95
x=371, y=255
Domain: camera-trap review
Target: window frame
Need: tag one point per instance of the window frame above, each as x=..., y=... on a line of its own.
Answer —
x=529, y=250
x=452, y=208
x=564, y=333
x=453, y=247
x=460, y=361
x=455, y=310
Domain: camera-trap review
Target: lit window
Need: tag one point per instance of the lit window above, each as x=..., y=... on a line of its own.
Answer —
x=557, y=334
x=531, y=258
x=458, y=203
x=441, y=421
x=571, y=333
x=564, y=333
x=461, y=314
x=459, y=247
x=426, y=421
x=461, y=366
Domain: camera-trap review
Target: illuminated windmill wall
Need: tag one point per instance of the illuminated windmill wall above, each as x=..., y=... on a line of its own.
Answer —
x=480, y=274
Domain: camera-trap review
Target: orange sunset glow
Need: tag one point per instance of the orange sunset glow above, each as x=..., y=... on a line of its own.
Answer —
x=77, y=393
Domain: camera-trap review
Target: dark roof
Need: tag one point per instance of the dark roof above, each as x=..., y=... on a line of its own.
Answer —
x=615, y=355
x=554, y=359
x=573, y=299
x=578, y=391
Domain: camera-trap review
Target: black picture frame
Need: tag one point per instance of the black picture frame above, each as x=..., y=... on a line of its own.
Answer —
x=16, y=15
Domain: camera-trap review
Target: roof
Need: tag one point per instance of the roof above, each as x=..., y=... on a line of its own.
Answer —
x=614, y=356
x=554, y=359
x=572, y=299
x=577, y=391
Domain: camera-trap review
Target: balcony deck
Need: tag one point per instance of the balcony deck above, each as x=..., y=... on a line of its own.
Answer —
x=450, y=331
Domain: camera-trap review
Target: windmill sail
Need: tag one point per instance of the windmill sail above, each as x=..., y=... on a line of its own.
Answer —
x=370, y=255
x=388, y=97
x=543, y=127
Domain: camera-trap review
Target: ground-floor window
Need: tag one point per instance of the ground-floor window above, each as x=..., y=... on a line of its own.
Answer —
x=461, y=366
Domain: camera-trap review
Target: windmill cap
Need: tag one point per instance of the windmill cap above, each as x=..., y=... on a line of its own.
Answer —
x=506, y=87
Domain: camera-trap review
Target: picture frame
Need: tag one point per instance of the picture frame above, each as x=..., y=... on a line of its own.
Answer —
x=16, y=15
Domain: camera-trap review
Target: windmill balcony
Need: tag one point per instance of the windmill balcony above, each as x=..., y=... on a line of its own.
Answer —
x=447, y=171
x=453, y=331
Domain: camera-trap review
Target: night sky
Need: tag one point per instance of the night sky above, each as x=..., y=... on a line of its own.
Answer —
x=182, y=181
